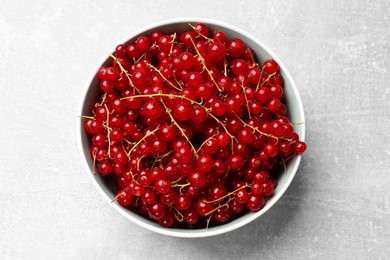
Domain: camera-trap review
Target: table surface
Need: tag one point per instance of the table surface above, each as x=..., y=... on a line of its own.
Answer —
x=338, y=206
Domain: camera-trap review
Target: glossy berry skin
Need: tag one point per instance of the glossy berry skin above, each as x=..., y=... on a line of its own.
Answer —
x=236, y=48
x=167, y=221
x=183, y=202
x=223, y=139
x=191, y=217
x=203, y=208
x=270, y=66
x=204, y=163
x=124, y=198
x=246, y=135
x=168, y=133
x=216, y=51
x=182, y=111
x=300, y=148
x=241, y=196
x=105, y=167
x=217, y=191
x=198, y=179
x=188, y=38
x=163, y=185
x=271, y=149
x=143, y=43
x=236, y=162
x=255, y=202
x=187, y=60
x=152, y=109
x=149, y=197
x=221, y=215
x=257, y=188
x=157, y=211
x=202, y=29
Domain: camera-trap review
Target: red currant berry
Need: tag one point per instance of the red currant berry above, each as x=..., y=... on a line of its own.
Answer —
x=197, y=179
x=241, y=196
x=216, y=51
x=236, y=162
x=143, y=43
x=157, y=211
x=204, y=163
x=163, y=185
x=300, y=148
x=255, y=202
x=203, y=207
x=191, y=217
x=270, y=66
x=124, y=198
x=105, y=167
x=236, y=48
x=183, y=202
x=271, y=149
x=223, y=139
x=183, y=111
x=152, y=109
x=246, y=135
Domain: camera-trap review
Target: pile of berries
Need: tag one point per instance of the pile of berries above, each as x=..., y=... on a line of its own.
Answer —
x=191, y=127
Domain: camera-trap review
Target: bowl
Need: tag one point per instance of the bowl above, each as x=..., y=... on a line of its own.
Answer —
x=292, y=101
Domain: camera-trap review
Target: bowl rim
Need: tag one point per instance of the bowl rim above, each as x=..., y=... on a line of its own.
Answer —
x=188, y=233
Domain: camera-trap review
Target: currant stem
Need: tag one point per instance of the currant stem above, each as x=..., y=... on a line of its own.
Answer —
x=265, y=81
x=164, y=95
x=117, y=196
x=229, y=194
x=205, y=141
x=165, y=79
x=172, y=42
x=193, y=27
x=226, y=204
x=178, y=214
x=253, y=60
x=127, y=141
x=178, y=126
x=160, y=158
x=260, y=132
x=176, y=181
x=181, y=186
x=204, y=65
x=144, y=54
x=246, y=99
x=141, y=140
x=103, y=99
x=192, y=102
x=108, y=131
x=88, y=117
x=225, y=67
x=208, y=221
x=124, y=71
x=94, y=161
x=223, y=126
x=139, y=161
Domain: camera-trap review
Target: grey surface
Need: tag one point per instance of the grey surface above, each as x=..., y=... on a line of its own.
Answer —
x=338, y=206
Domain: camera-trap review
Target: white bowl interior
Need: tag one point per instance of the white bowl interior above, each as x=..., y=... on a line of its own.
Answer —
x=293, y=103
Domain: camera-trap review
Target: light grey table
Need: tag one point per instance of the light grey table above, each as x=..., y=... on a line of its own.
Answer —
x=338, y=206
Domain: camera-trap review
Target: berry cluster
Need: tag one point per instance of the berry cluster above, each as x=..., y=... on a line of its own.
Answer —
x=192, y=128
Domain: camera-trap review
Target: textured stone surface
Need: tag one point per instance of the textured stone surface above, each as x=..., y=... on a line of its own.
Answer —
x=338, y=206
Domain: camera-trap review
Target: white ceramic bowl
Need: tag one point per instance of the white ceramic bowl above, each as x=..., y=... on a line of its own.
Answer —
x=295, y=113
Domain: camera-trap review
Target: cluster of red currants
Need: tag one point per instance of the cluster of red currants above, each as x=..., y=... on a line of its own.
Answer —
x=191, y=127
